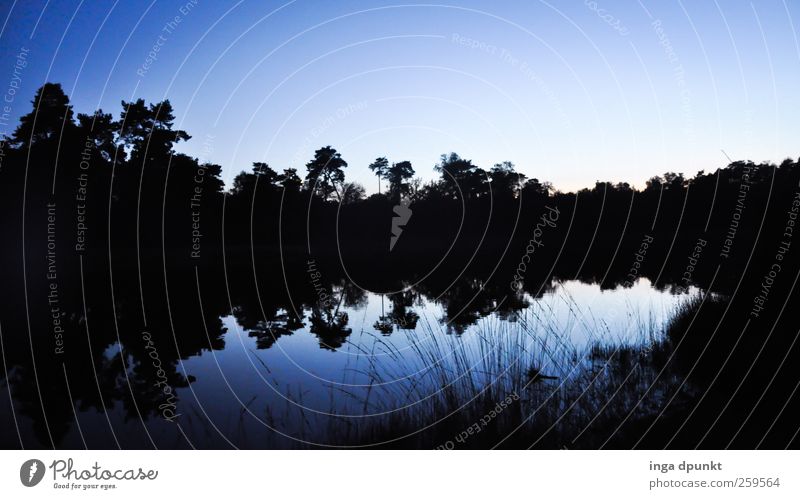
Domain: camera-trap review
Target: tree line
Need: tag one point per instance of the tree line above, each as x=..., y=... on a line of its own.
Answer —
x=136, y=192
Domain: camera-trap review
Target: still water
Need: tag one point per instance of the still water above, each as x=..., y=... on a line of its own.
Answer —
x=284, y=381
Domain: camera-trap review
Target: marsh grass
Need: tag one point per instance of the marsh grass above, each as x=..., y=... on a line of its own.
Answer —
x=519, y=383
x=554, y=393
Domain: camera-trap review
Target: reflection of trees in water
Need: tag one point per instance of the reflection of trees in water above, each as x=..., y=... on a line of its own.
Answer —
x=468, y=300
x=267, y=333
x=351, y=295
x=328, y=322
x=330, y=327
x=267, y=320
x=383, y=324
x=326, y=319
x=400, y=316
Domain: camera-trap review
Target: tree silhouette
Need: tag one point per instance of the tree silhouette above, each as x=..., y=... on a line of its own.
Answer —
x=325, y=171
x=289, y=181
x=379, y=167
x=505, y=181
x=352, y=193
x=148, y=130
x=52, y=115
x=101, y=129
x=397, y=176
x=245, y=183
x=460, y=175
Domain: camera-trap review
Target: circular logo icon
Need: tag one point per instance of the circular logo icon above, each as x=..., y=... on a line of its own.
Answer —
x=31, y=472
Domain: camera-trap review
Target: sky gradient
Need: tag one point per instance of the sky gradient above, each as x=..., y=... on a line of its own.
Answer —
x=571, y=92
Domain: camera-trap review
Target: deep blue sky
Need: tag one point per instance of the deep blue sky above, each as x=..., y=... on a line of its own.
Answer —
x=571, y=92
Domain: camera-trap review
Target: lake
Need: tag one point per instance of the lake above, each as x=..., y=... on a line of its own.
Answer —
x=323, y=374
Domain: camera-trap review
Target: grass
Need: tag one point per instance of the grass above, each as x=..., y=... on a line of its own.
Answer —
x=517, y=385
x=503, y=384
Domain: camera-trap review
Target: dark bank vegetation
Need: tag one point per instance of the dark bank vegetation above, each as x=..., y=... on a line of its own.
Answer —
x=105, y=224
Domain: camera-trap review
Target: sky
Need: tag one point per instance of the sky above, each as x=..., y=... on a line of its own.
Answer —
x=571, y=92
